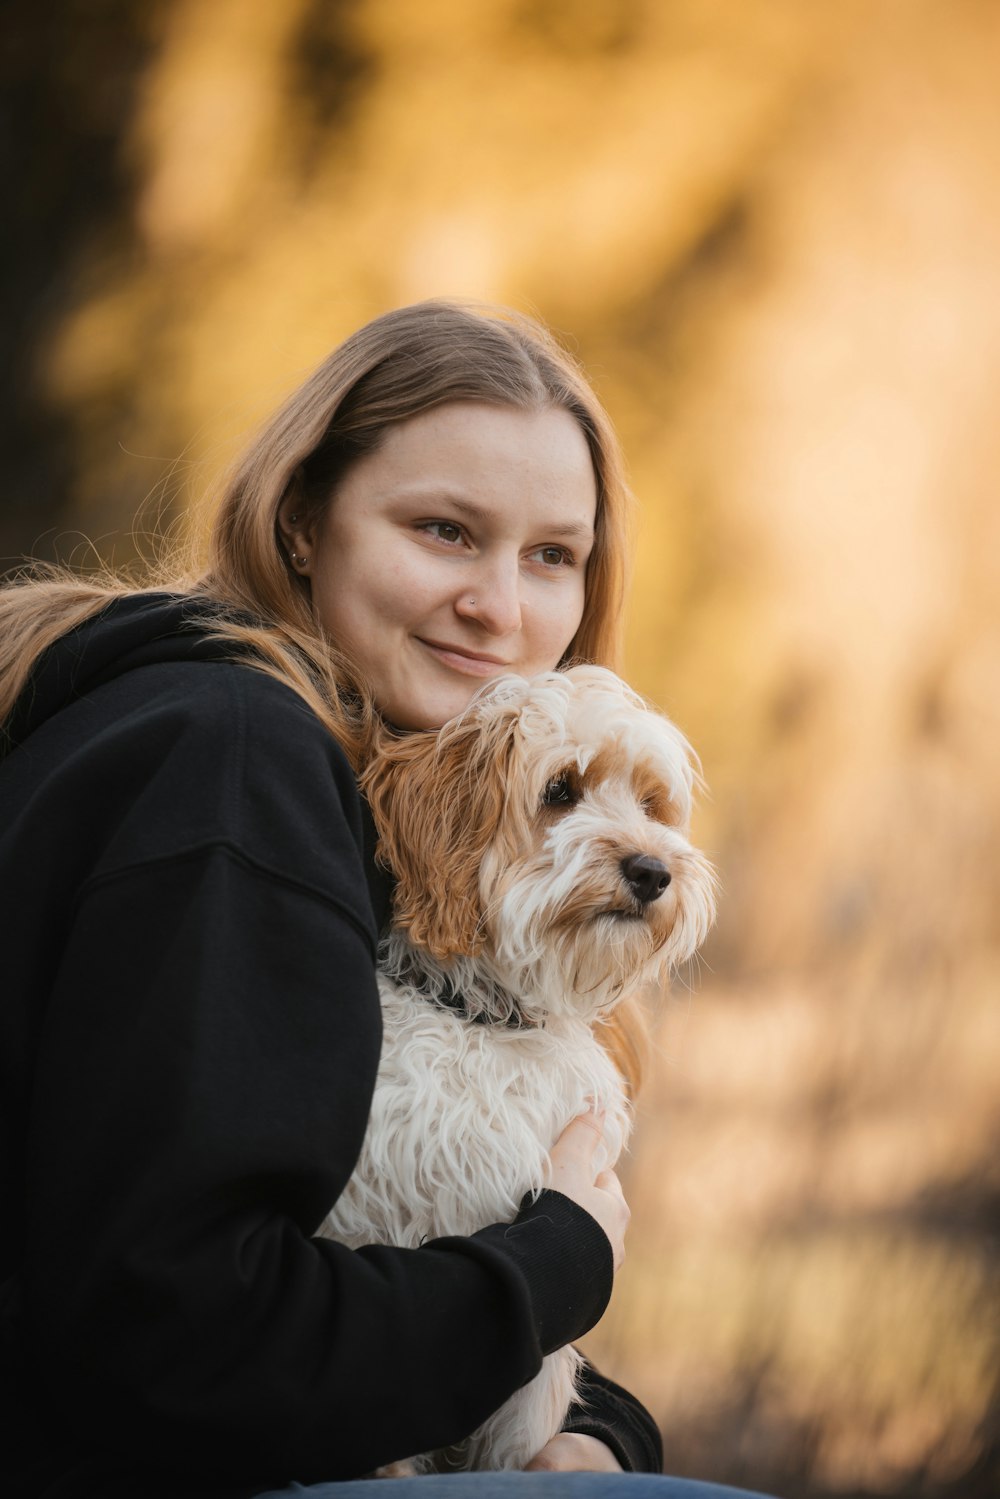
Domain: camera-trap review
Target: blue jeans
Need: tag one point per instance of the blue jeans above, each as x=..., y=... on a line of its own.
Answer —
x=516, y=1486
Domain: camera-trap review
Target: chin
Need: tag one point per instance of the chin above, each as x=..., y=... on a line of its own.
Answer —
x=425, y=706
x=429, y=717
x=540, y=843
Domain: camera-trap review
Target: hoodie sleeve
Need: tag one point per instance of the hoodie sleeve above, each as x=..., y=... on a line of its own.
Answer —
x=203, y=1082
x=604, y=1410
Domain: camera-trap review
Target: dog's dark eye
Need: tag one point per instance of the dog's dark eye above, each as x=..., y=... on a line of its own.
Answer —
x=560, y=792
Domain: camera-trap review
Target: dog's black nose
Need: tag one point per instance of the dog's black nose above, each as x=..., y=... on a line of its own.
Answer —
x=647, y=876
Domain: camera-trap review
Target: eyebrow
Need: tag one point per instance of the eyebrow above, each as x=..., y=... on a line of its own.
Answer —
x=575, y=530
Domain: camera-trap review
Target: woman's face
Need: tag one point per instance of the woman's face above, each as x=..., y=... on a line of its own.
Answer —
x=455, y=552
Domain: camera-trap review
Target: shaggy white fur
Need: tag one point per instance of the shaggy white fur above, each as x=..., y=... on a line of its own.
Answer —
x=567, y=800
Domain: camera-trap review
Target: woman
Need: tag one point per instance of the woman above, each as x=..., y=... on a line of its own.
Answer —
x=192, y=908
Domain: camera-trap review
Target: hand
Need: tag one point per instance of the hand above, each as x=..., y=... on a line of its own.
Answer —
x=572, y=1172
x=572, y=1452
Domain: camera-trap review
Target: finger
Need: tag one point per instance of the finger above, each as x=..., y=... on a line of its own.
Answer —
x=570, y=1452
x=608, y=1181
x=552, y=1458
x=581, y=1136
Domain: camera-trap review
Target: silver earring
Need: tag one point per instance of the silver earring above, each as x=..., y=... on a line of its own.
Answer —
x=293, y=517
x=299, y=561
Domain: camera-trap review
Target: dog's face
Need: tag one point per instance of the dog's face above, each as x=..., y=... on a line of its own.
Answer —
x=546, y=832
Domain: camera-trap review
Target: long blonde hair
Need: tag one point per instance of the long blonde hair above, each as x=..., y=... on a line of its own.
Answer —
x=395, y=367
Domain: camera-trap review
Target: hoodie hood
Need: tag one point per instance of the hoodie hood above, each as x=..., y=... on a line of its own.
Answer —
x=145, y=629
x=139, y=629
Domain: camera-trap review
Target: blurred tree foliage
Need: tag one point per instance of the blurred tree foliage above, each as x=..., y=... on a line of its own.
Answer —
x=772, y=234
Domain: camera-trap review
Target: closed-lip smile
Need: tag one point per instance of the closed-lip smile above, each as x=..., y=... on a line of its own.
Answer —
x=474, y=663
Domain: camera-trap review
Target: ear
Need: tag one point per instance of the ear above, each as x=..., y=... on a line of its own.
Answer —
x=437, y=800
x=296, y=527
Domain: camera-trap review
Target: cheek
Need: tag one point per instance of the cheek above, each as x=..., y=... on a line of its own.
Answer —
x=359, y=596
x=557, y=624
x=397, y=585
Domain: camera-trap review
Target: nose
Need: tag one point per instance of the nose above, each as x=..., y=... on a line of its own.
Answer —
x=647, y=877
x=492, y=597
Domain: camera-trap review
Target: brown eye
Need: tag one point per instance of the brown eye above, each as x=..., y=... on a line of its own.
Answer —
x=444, y=530
x=560, y=792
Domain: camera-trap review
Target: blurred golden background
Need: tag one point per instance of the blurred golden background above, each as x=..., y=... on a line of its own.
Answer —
x=771, y=231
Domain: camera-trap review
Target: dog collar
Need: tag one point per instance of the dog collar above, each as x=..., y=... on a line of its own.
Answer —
x=450, y=998
x=439, y=990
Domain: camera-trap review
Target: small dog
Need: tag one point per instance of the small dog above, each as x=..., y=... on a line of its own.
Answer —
x=544, y=871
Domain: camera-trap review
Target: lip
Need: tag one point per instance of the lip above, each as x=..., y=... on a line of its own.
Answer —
x=471, y=663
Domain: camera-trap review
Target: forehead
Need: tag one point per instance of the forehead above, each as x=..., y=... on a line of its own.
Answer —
x=638, y=759
x=497, y=462
x=604, y=733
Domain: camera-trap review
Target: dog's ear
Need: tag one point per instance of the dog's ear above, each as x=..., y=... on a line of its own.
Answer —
x=437, y=800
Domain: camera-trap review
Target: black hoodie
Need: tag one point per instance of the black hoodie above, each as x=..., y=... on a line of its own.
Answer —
x=189, y=1036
